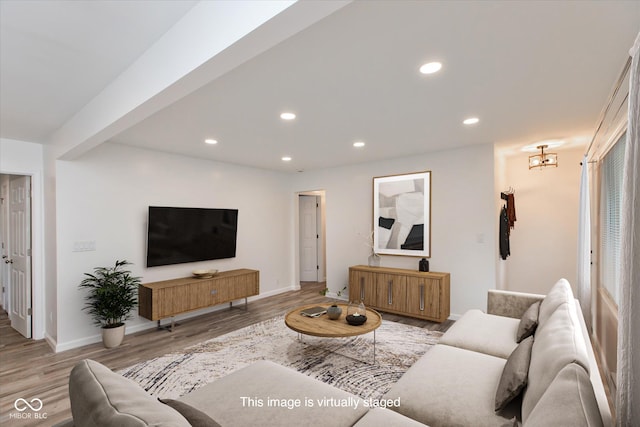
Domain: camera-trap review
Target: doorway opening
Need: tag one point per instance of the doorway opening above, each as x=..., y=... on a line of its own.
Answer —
x=15, y=249
x=311, y=238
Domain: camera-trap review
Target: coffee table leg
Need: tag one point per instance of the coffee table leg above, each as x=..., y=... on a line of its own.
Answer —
x=301, y=339
x=374, y=346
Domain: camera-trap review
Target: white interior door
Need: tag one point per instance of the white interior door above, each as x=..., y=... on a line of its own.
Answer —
x=308, y=239
x=19, y=259
x=4, y=242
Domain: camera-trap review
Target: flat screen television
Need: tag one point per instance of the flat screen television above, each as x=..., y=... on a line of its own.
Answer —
x=181, y=235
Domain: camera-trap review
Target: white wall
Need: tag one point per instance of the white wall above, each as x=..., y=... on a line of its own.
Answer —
x=463, y=226
x=500, y=182
x=50, y=248
x=544, y=239
x=104, y=196
x=16, y=157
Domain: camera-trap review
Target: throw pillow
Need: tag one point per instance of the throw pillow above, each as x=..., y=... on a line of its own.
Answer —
x=528, y=322
x=514, y=374
x=196, y=417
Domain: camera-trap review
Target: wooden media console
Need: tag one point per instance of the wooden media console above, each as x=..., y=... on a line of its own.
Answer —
x=168, y=298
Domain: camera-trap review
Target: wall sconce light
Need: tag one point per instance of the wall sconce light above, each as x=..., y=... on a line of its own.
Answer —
x=543, y=159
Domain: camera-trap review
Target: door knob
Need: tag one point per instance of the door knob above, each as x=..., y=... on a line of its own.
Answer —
x=8, y=261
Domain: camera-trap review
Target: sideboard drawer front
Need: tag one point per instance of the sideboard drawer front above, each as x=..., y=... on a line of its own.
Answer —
x=362, y=287
x=423, y=297
x=391, y=292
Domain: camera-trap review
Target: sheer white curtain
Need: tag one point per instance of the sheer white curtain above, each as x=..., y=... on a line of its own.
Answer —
x=584, y=245
x=628, y=382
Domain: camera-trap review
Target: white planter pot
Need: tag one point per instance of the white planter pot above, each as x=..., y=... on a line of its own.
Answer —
x=112, y=337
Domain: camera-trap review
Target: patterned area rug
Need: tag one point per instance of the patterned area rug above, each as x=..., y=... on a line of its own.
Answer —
x=346, y=363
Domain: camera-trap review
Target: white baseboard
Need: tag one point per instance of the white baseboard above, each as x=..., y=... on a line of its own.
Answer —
x=51, y=341
x=70, y=345
x=275, y=292
x=334, y=295
x=150, y=324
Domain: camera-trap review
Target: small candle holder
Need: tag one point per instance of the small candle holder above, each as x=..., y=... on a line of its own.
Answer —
x=356, y=313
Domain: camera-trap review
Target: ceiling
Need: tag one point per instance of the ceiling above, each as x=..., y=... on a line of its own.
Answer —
x=530, y=71
x=55, y=56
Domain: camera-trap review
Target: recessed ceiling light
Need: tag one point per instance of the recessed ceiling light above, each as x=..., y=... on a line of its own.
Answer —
x=430, y=67
x=287, y=116
x=286, y=159
x=471, y=121
x=358, y=144
x=210, y=141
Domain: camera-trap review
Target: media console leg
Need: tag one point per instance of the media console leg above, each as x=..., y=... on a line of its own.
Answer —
x=246, y=307
x=170, y=326
x=374, y=346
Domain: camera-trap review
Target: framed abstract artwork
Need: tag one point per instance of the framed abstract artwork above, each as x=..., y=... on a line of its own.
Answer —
x=402, y=214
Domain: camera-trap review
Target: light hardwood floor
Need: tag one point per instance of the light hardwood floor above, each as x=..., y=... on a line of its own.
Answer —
x=30, y=369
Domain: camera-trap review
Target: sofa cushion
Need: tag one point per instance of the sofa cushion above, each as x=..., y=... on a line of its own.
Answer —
x=196, y=417
x=382, y=417
x=528, y=322
x=452, y=386
x=559, y=294
x=557, y=343
x=569, y=401
x=102, y=398
x=268, y=394
x=484, y=333
x=514, y=374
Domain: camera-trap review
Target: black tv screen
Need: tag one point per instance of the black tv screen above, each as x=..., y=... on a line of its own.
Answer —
x=180, y=235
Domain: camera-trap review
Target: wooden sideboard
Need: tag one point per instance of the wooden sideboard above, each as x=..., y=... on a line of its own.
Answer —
x=161, y=300
x=425, y=295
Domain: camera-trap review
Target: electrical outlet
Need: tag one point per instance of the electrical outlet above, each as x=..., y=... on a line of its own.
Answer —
x=84, y=246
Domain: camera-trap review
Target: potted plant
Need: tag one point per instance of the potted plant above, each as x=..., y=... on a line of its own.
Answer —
x=326, y=290
x=112, y=295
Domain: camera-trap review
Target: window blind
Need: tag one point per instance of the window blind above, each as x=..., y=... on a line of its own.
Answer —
x=610, y=217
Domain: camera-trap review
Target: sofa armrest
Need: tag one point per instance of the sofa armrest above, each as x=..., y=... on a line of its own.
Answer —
x=594, y=372
x=509, y=303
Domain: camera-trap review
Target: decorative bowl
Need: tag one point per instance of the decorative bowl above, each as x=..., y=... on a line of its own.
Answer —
x=356, y=320
x=203, y=274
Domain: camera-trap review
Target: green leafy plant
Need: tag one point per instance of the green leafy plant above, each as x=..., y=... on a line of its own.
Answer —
x=325, y=290
x=113, y=293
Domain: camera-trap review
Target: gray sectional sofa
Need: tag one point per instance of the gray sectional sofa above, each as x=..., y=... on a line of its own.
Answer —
x=454, y=384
